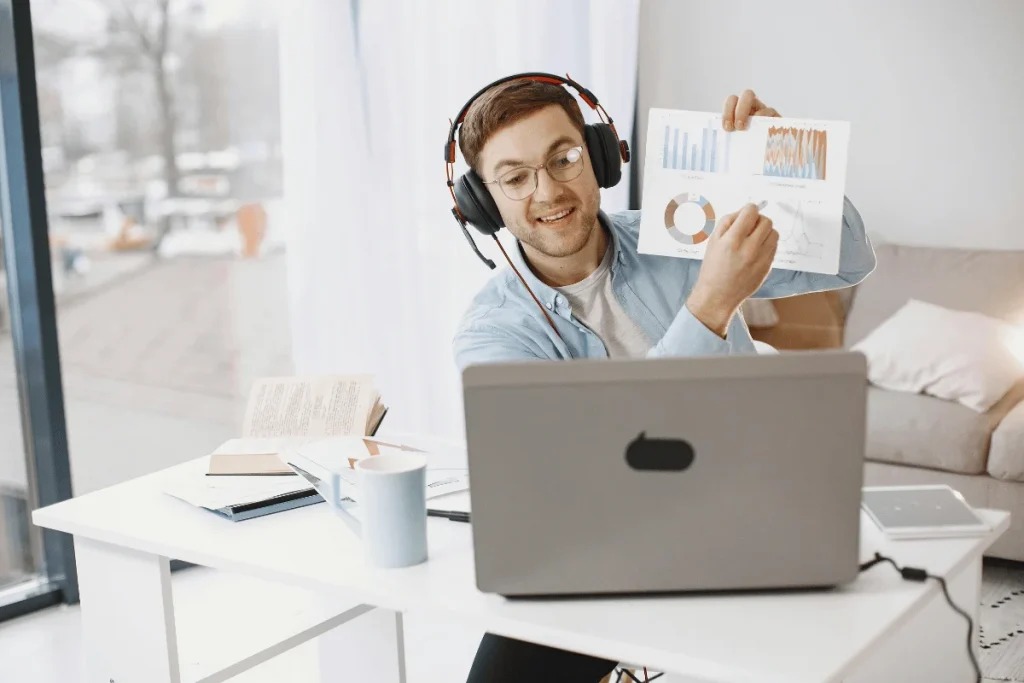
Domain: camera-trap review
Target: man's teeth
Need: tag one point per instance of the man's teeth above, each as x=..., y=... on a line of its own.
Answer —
x=557, y=216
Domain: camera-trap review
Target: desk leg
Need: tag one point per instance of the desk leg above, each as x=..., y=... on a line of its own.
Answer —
x=365, y=649
x=127, y=614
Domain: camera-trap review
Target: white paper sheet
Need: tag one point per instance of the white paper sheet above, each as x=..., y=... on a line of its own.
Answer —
x=215, y=493
x=337, y=453
x=695, y=173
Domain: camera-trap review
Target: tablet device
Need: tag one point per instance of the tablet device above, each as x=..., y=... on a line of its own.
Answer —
x=934, y=511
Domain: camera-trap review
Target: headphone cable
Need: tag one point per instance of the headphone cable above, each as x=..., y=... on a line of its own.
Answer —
x=532, y=295
x=920, y=575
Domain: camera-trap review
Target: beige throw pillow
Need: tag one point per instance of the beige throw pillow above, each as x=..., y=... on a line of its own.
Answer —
x=959, y=356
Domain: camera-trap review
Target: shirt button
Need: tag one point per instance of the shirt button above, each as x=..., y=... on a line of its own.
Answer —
x=548, y=306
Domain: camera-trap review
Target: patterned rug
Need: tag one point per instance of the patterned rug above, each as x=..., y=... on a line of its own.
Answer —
x=1001, y=630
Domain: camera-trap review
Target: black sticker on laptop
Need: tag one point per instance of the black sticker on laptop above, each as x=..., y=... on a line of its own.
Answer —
x=662, y=455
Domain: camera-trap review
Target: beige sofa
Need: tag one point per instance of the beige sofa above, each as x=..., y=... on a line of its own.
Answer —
x=916, y=439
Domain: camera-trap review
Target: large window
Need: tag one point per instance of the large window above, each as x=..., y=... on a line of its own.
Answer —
x=147, y=240
x=161, y=144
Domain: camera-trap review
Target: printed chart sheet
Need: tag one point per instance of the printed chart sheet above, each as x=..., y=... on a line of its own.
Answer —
x=695, y=172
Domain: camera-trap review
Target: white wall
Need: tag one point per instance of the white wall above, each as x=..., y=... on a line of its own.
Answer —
x=933, y=91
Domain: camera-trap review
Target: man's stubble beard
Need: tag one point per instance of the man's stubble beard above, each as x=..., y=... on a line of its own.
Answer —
x=560, y=248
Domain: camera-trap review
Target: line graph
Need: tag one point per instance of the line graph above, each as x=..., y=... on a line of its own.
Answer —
x=791, y=224
x=795, y=153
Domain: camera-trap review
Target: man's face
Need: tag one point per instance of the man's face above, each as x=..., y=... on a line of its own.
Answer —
x=531, y=142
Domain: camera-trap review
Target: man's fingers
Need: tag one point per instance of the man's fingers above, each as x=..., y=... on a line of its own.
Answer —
x=763, y=230
x=744, y=106
x=728, y=112
x=767, y=111
x=723, y=225
x=746, y=221
x=766, y=253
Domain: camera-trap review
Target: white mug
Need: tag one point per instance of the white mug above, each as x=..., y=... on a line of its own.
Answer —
x=392, y=500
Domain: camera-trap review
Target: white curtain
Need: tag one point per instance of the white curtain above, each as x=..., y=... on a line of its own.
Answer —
x=379, y=272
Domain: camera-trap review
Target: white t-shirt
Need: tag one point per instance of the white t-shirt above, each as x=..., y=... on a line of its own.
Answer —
x=594, y=304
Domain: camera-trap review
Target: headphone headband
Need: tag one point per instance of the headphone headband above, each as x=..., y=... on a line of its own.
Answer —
x=540, y=76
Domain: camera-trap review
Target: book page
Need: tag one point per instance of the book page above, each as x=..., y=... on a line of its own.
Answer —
x=309, y=406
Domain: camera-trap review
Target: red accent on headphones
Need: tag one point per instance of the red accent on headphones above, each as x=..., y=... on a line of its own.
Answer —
x=583, y=93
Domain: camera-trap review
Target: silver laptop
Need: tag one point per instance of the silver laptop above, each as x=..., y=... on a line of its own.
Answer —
x=683, y=474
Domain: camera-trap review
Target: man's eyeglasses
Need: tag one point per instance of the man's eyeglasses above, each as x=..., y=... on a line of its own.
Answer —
x=520, y=183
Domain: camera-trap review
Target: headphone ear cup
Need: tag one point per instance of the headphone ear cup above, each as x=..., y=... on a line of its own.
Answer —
x=476, y=203
x=604, y=153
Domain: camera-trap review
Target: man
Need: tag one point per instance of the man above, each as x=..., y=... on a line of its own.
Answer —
x=524, y=138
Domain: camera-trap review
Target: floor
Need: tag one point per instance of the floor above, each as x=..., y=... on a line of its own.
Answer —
x=46, y=647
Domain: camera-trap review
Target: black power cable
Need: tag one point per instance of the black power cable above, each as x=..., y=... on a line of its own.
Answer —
x=920, y=575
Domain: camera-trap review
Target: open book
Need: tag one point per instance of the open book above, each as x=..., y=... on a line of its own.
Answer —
x=285, y=412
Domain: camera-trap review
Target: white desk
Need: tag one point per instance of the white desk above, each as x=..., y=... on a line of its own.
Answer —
x=879, y=628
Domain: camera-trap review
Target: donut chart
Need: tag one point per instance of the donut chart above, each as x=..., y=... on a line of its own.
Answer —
x=689, y=198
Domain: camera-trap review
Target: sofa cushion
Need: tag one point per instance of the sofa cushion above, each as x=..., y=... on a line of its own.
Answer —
x=959, y=356
x=989, y=282
x=913, y=429
x=1006, y=454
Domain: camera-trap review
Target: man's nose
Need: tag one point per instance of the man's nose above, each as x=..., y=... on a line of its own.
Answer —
x=547, y=187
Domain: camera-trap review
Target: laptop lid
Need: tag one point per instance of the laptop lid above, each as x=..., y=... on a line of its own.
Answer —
x=611, y=476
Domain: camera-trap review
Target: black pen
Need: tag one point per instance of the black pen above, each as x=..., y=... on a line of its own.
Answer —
x=451, y=515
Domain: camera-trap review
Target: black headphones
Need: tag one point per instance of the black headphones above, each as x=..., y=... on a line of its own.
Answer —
x=473, y=202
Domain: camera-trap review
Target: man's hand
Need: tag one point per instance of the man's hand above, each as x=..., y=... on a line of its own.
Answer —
x=737, y=261
x=738, y=110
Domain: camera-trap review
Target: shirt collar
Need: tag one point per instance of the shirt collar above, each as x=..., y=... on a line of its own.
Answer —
x=549, y=296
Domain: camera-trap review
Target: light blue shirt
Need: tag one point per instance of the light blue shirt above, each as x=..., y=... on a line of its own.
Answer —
x=503, y=323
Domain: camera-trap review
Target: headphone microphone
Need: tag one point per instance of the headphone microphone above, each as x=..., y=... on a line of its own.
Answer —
x=469, y=238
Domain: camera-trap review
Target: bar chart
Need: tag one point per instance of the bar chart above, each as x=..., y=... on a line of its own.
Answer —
x=704, y=148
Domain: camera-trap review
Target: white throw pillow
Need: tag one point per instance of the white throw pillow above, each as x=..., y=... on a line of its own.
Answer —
x=955, y=355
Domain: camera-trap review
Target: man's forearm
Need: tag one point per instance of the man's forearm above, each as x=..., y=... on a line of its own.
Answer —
x=688, y=336
x=711, y=310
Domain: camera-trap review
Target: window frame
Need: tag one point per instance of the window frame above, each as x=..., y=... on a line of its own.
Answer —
x=32, y=310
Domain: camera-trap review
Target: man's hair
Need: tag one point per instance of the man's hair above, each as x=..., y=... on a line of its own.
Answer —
x=507, y=103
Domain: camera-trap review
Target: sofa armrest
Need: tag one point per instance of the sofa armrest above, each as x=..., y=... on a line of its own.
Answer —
x=1006, y=450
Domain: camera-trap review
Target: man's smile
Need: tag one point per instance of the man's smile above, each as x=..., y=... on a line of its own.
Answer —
x=558, y=217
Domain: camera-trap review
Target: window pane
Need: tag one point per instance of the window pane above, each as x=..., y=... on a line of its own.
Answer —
x=17, y=559
x=163, y=181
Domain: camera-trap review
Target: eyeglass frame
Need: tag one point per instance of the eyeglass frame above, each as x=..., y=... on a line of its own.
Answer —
x=536, y=169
